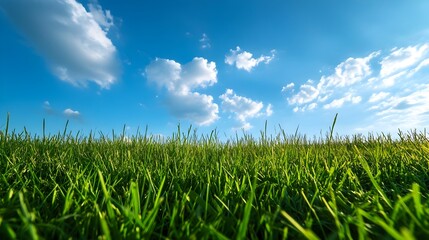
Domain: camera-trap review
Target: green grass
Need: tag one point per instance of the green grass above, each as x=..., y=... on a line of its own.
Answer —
x=189, y=186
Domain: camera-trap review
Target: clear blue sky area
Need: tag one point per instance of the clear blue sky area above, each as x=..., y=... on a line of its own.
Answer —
x=224, y=65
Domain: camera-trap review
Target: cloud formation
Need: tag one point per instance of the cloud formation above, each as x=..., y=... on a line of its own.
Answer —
x=245, y=60
x=404, y=110
x=307, y=93
x=71, y=113
x=103, y=17
x=73, y=40
x=394, y=88
x=337, y=103
x=180, y=81
x=288, y=86
x=349, y=73
x=402, y=58
x=375, y=97
x=243, y=108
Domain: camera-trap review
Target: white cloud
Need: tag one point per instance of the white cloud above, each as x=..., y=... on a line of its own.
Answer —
x=337, y=103
x=103, y=18
x=182, y=78
x=402, y=58
x=391, y=80
x=197, y=73
x=194, y=106
x=347, y=73
x=307, y=93
x=244, y=60
x=243, y=108
x=71, y=113
x=269, y=110
x=295, y=109
x=288, y=86
x=406, y=110
x=421, y=65
x=312, y=106
x=180, y=81
x=402, y=70
x=375, y=97
x=71, y=39
x=164, y=73
x=205, y=41
x=47, y=107
x=356, y=99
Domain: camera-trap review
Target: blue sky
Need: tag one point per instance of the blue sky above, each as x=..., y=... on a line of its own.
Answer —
x=225, y=65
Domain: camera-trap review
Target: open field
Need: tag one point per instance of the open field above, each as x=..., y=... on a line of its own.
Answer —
x=188, y=186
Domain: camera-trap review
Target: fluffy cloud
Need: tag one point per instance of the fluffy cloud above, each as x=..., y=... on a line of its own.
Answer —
x=307, y=93
x=73, y=40
x=180, y=81
x=244, y=60
x=347, y=73
x=71, y=113
x=393, y=89
x=103, y=18
x=243, y=108
x=194, y=106
x=177, y=78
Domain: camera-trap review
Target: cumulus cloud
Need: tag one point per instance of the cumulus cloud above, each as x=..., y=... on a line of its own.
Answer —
x=245, y=60
x=103, y=17
x=349, y=72
x=243, y=108
x=177, y=78
x=180, y=81
x=307, y=93
x=73, y=40
x=71, y=113
x=194, y=106
x=393, y=88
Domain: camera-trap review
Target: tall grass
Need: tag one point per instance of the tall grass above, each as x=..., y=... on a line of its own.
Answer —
x=191, y=186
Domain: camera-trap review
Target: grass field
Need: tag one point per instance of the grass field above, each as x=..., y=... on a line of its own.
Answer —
x=188, y=186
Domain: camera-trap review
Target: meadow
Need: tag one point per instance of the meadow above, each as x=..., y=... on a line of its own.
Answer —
x=191, y=186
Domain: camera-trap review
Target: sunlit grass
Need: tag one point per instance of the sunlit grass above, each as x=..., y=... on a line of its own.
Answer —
x=189, y=186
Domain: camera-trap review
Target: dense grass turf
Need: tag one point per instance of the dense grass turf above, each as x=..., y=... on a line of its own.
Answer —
x=196, y=187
